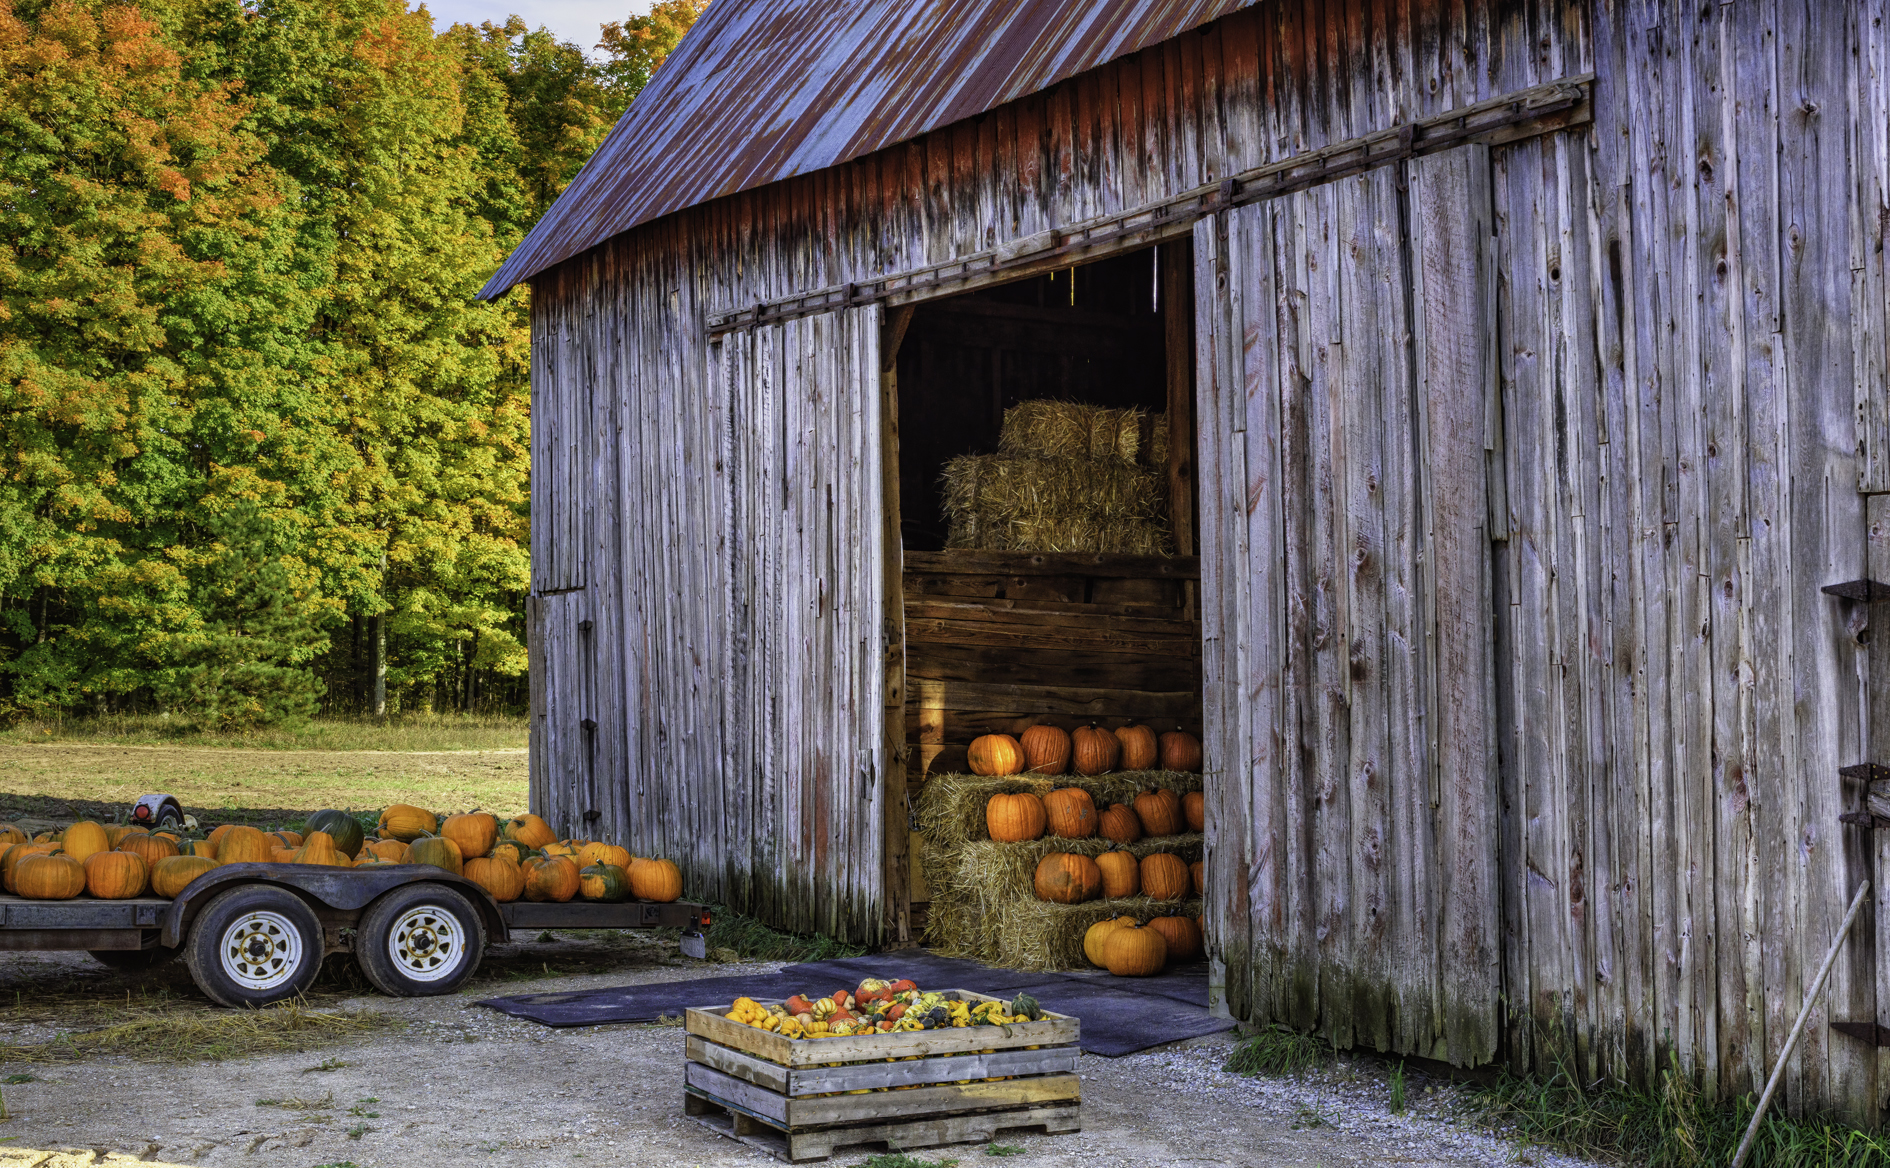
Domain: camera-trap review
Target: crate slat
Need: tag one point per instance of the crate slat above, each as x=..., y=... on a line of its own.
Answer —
x=858, y=1076
x=797, y=1113
x=710, y=1023
x=973, y=1127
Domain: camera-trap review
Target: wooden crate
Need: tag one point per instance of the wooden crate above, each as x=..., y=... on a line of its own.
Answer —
x=926, y=1087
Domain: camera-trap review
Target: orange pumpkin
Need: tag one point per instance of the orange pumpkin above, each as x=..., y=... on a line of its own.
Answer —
x=1013, y=818
x=1066, y=878
x=501, y=878
x=1139, y=748
x=995, y=754
x=282, y=855
x=290, y=839
x=10, y=862
x=1119, y=823
x=81, y=840
x=217, y=835
x=115, y=832
x=393, y=851
x=1197, y=872
x=1181, y=751
x=244, y=845
x=1159, y=811
x=405, y=822
x=149, y=848
x=1164, y=877
x=1121, y=875
x=1096, y=750
x=658, y=880
x=202, y=847
x=51, y=875
x=1071, y=813
x=1183, y=937
x=1046, y=750
x=1135, y=952
x=602, y=853
x=10, y=835
x=1097, y=936
x=173, y=874
x=554, y=878
x=531, y=831
x=116, y=875
x=474, y=832
x=320, y=850
x=1194, y=810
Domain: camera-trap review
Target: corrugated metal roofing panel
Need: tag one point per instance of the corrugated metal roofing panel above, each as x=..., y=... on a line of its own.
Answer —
x=763, y=90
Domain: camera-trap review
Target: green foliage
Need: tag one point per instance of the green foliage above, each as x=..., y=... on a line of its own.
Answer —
x=755, y=941
x=1275, y=1050
x=1397, y=1089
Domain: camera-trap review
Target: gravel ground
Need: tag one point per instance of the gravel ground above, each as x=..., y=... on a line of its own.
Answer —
x=462, y=1085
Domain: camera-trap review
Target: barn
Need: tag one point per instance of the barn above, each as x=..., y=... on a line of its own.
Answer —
x=1509, y=538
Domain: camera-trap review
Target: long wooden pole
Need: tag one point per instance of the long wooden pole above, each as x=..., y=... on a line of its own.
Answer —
x=1798, y=1027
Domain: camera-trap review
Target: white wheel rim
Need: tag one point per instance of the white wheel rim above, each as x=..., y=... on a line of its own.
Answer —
x=261, y=950
x=426, y=943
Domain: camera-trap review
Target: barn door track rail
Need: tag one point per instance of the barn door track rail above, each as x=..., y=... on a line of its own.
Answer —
x=1525, y=113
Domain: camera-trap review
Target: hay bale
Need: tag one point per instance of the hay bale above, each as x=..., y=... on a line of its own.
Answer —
x=1157, y=449
x=951, y=807
x=1039, y=935
x=1003, y=488
x=1056, y=429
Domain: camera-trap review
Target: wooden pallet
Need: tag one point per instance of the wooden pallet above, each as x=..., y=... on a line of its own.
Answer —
x=799, y=1099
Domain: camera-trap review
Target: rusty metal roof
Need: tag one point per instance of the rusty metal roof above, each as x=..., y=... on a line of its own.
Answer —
x=763, y=90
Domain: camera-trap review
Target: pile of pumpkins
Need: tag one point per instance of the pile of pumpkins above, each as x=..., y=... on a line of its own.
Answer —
x=1090, y=750
x=1070, y=813
x=1127, y=947
x=521, y=858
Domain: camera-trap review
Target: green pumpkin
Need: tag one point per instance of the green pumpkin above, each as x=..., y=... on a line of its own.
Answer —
x=1026, y=1006
x=516, y=851
x=605, y=882
x=437, y=851
x=341, y=827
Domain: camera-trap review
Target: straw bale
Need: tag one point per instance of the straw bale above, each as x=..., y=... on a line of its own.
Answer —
x=1040, y=935
x=951, y=807
x=1157, y=449
x=998, y=486
x=1055, y=429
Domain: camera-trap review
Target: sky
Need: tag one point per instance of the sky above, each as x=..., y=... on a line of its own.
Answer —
x=571, y=20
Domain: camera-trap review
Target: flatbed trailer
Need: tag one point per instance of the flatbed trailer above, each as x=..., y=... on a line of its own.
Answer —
x=253, y=934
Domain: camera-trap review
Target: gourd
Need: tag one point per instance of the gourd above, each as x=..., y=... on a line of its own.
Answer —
x=1181, y=751
x=10, y=862
x=116, y=875
x=475, y=832
x=658, y=880
x=149, y=848
x=605, y=882
x=438, y=851
x=603, y=853
x=1071, y=813
x=554, y=878
x=342, y=829
x=995, y=754
x=51, y=875
x=1159, y=811
x=1121, y=824
x=245, y=845
x=1164, y=877
x=320, y=850
x=1014, y=818
x=501, y=878
x=405, y=822
x=1198, y=872
x=1046, y=750
x=1194, y=810
x=1096, y=750
x=81, y=840
x=1139, y=748
x=1183, y=937
x=531, y=831
x=1133, y=951
x=1121, y=875
x=173, y=874
x=1095, y=937
x=1066, y=878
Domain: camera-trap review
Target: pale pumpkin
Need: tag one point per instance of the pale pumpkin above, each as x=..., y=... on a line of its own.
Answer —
x=531, y=831
x=1120, y=824
x=1121, y=875
x=173, y=874
x=1067, y=878
x=604, y=882
x=995, y=754
x=1071, y=813
x=1097, y=935
x=1183, y=937
x=1181, y=751
x=405, y=822
x=245, y=845
x=116, y=875
x=500, y=877
x=1046, y=750
x=658, y=880
x=81, y=840
x=1164, y=877
x=1014, y=818
x=475, y=832
x=1194, y=810
x=552, y=879
x=1159, y=811
x=1139, y=748
x=149, y=848
x=438, y=851
x=603, y=853
x=1133, y=951
x=51, y=875
x=1096, y=750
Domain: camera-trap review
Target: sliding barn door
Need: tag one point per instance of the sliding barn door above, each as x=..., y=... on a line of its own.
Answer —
x=804, y=714
x=1344, y=435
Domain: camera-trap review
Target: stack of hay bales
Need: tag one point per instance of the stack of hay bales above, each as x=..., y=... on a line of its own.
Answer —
x=984, y=901
x=1067, y=477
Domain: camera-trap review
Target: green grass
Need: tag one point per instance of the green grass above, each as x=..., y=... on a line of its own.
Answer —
x=1005, y=1149
x=1276, y=1050
x=1397, y=1089
x=755, y=941
x=409, y=733
x=903, y=1160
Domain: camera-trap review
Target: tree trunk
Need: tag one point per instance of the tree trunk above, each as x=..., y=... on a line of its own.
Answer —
x=378, y=634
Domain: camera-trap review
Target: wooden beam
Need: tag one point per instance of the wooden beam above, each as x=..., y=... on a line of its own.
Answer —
x=1178, y=341
x=898, y=320
x=898, y=898
x=1054, y=564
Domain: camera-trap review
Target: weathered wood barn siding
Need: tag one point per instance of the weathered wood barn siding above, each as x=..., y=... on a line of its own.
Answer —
x=1617, y=390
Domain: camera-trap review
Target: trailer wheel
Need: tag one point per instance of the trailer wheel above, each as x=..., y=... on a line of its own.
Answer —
x=254, y=945
x=420, y=940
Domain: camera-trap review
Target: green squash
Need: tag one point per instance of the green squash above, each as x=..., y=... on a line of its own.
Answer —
x=341, y=827
x=1026, y=1007
x=605, y=882
x=437, y=851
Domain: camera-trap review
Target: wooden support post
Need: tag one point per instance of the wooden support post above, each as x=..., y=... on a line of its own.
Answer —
x=1178, y=336
x=898, y=898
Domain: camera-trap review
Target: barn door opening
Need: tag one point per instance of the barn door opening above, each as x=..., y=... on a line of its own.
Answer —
x=1347, y=422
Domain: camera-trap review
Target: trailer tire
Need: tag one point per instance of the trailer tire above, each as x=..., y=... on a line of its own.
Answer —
x=420, y=940
x=254, y=945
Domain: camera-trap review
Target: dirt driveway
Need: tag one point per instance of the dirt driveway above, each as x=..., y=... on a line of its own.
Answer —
x=447, y=1083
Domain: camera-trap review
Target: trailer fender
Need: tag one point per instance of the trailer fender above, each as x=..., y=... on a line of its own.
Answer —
x=343, y=889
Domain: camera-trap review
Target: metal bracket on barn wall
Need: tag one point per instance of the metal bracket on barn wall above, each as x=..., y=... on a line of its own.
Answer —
x=1870, y=778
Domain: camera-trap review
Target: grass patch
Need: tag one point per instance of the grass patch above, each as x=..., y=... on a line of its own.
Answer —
x=1005, y=1149
x=903, y=1160
x=1275, y=1050
x=754, y=941
x=417, y=732
x=174, y=1036
x=1397, y=1089
x=296, y=1103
